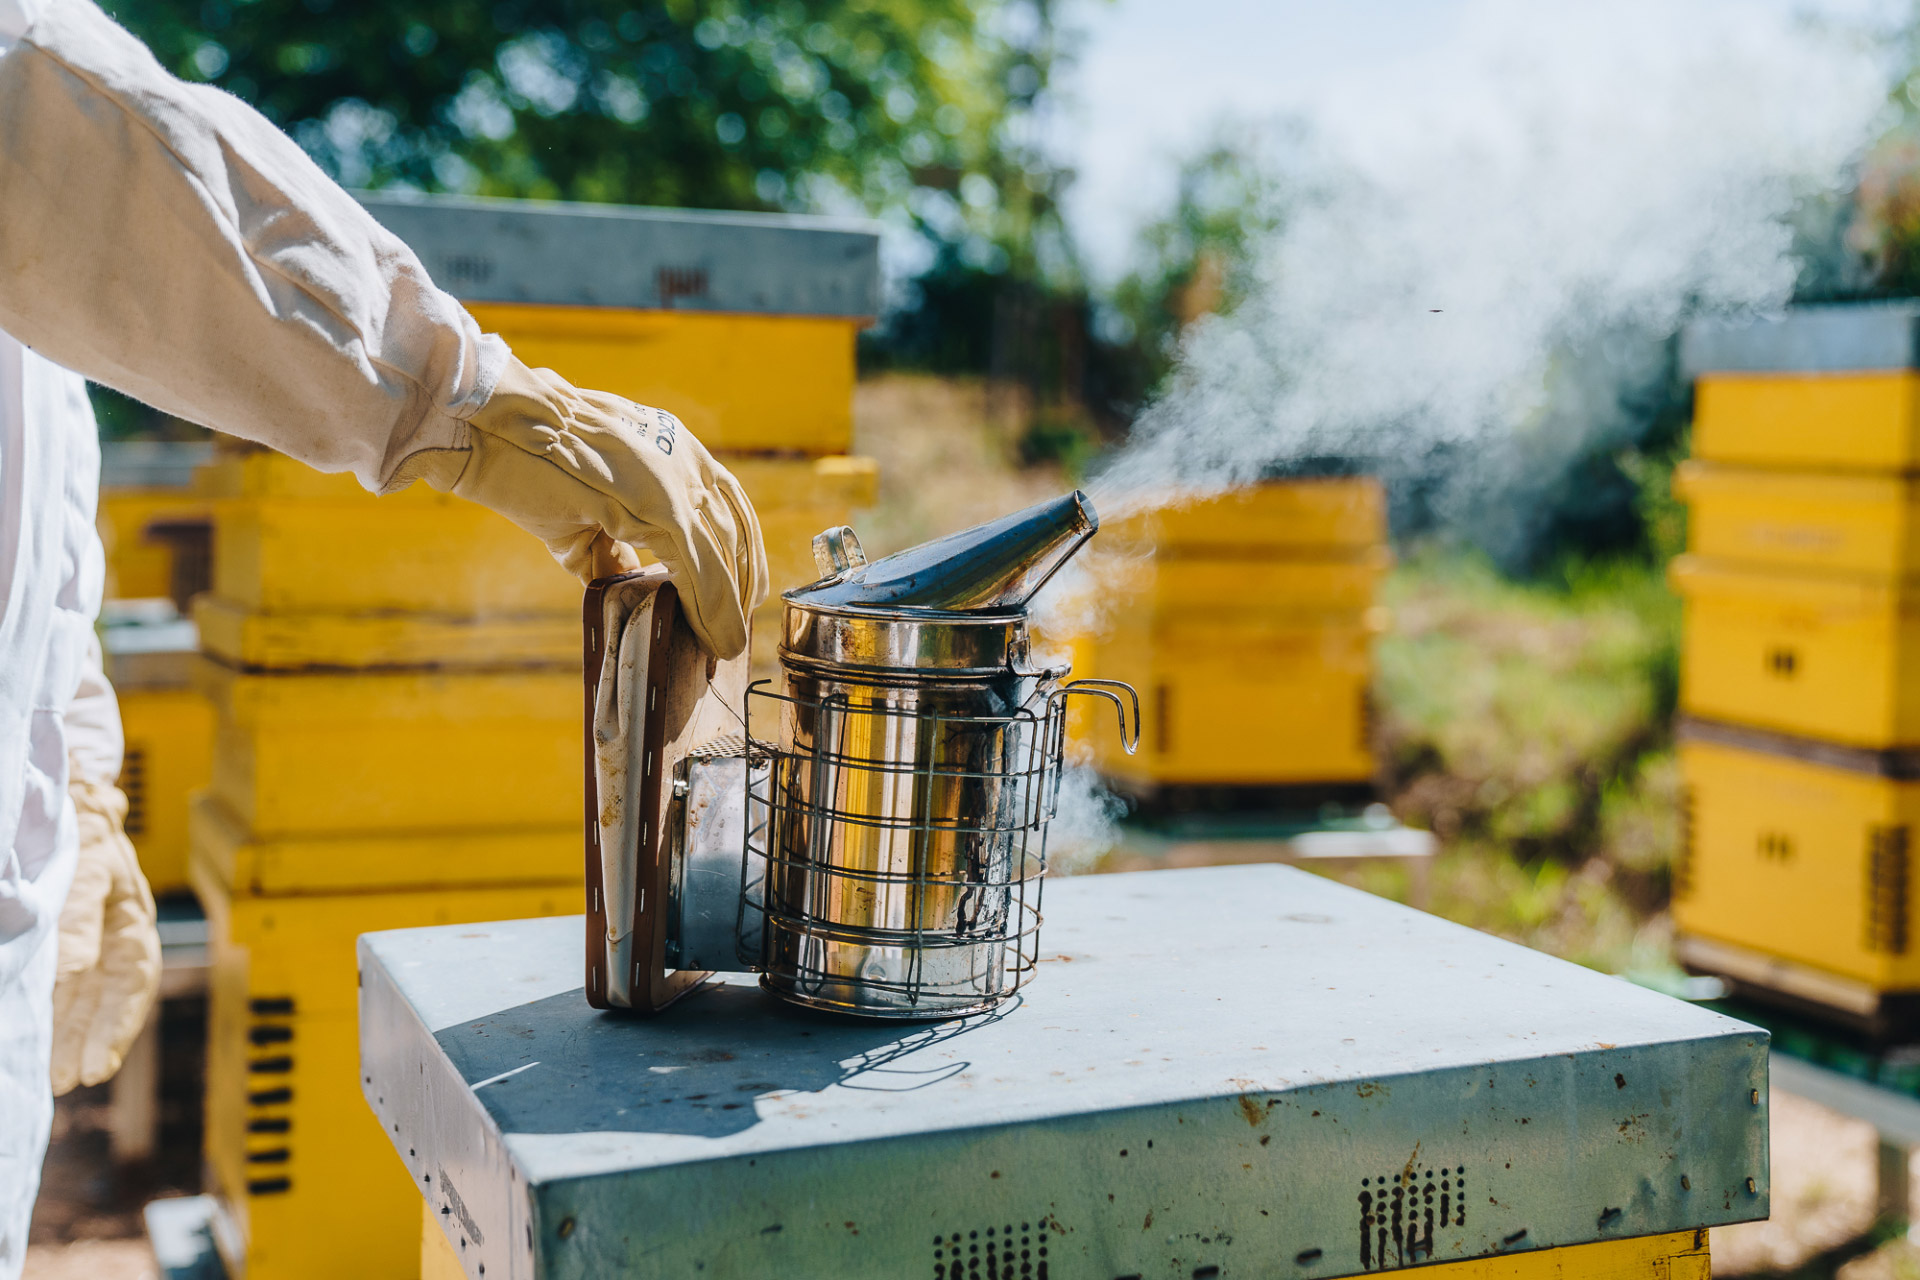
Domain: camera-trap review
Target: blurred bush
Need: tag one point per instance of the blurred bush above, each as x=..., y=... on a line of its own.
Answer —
x=1196, y=259
x=1529, y=725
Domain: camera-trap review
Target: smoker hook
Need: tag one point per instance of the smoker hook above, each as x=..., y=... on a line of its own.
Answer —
x=1110, y=690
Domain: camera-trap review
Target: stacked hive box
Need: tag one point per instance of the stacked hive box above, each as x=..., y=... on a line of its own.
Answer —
x=1246, y=623
x=168, y=727
x=1800, y=678
x=396, y=681
x=147, y=490
x=154, y=521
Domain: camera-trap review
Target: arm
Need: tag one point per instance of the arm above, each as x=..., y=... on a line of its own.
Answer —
x=166, y=240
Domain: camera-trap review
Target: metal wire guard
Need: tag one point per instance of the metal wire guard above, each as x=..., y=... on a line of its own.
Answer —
x=904, y=844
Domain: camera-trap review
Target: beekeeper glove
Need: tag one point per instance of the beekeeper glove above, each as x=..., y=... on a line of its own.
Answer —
x=588, y=473
x=109, y=967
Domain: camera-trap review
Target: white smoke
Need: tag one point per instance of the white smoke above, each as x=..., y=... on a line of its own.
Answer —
x=1557, y=172
x=1086, y=818
x=1569, y=174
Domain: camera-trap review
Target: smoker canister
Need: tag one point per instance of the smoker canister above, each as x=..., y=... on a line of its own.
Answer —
x=918, y=754
x=875, y=842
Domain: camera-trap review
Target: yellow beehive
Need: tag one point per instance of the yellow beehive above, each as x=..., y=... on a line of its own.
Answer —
x=1833, y=523
x=1183, y=586
x=305, y=642
x=1852, y=420
x=397, y=682
x=741, y=383
x=402, y=861
x=795, y=499
x=744, y=325
x=169, y=755
x=1327, y=516
x=312, y=571
x=1802, y=654
x=1253, y=703
x=1826, y=657
x=1801, y=860
x=1680, y=1255
x=138, y=566
x=362, y=752
x=291, y=540
x=1245, y=622
x=307, y=1184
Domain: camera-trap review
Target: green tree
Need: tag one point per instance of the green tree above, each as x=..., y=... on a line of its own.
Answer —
x=914, y=107
x=1198, y=259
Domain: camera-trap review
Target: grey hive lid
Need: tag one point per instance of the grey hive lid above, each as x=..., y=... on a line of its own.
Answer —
x=606, y=255
x=1841, y=338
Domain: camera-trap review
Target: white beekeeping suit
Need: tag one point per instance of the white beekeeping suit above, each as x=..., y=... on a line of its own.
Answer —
x=166, y=240
x=51, y=569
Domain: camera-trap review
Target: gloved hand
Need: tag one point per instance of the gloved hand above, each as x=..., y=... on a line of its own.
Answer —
x=109, y=968
x=586, y=472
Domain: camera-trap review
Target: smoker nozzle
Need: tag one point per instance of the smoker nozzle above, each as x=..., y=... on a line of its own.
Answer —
x=995, y=567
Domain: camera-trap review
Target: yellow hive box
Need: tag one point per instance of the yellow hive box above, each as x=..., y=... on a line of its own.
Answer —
x=255, y=641
x=742, y=383
x=1189, y=586
x=1249, y=703
x=1319, y=515
x=288, y=539
x=795, y=499
x=1802, y=861
x=307, y=1185
x=1831, y=658
x=1854, y=421
x=313, y=572
x=137, y=566
x=1835, y=522
x=1680, y=1255
x=247, y=864
x=392, y=752
x=169, y=755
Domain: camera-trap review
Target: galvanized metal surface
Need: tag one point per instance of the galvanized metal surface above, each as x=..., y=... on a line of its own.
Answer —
x=1894, y=1116
x=1248, y=1068
x=1832, y=339
x=155, y=651
x=713, y=921
x=151, y=464
x=598, y=255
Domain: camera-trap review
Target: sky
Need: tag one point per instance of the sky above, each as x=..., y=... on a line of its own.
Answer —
x=1154, y=78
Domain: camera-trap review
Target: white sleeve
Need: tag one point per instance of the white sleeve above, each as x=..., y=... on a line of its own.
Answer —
x=95, y=740
x=166, y=240
x=15, y=17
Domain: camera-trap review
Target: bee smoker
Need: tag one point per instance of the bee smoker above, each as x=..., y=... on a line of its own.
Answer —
x=870, y=836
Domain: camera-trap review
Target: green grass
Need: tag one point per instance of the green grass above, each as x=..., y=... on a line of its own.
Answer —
x=1528, y=724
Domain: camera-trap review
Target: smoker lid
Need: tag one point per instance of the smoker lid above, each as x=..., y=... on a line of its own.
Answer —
x=956, y=604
